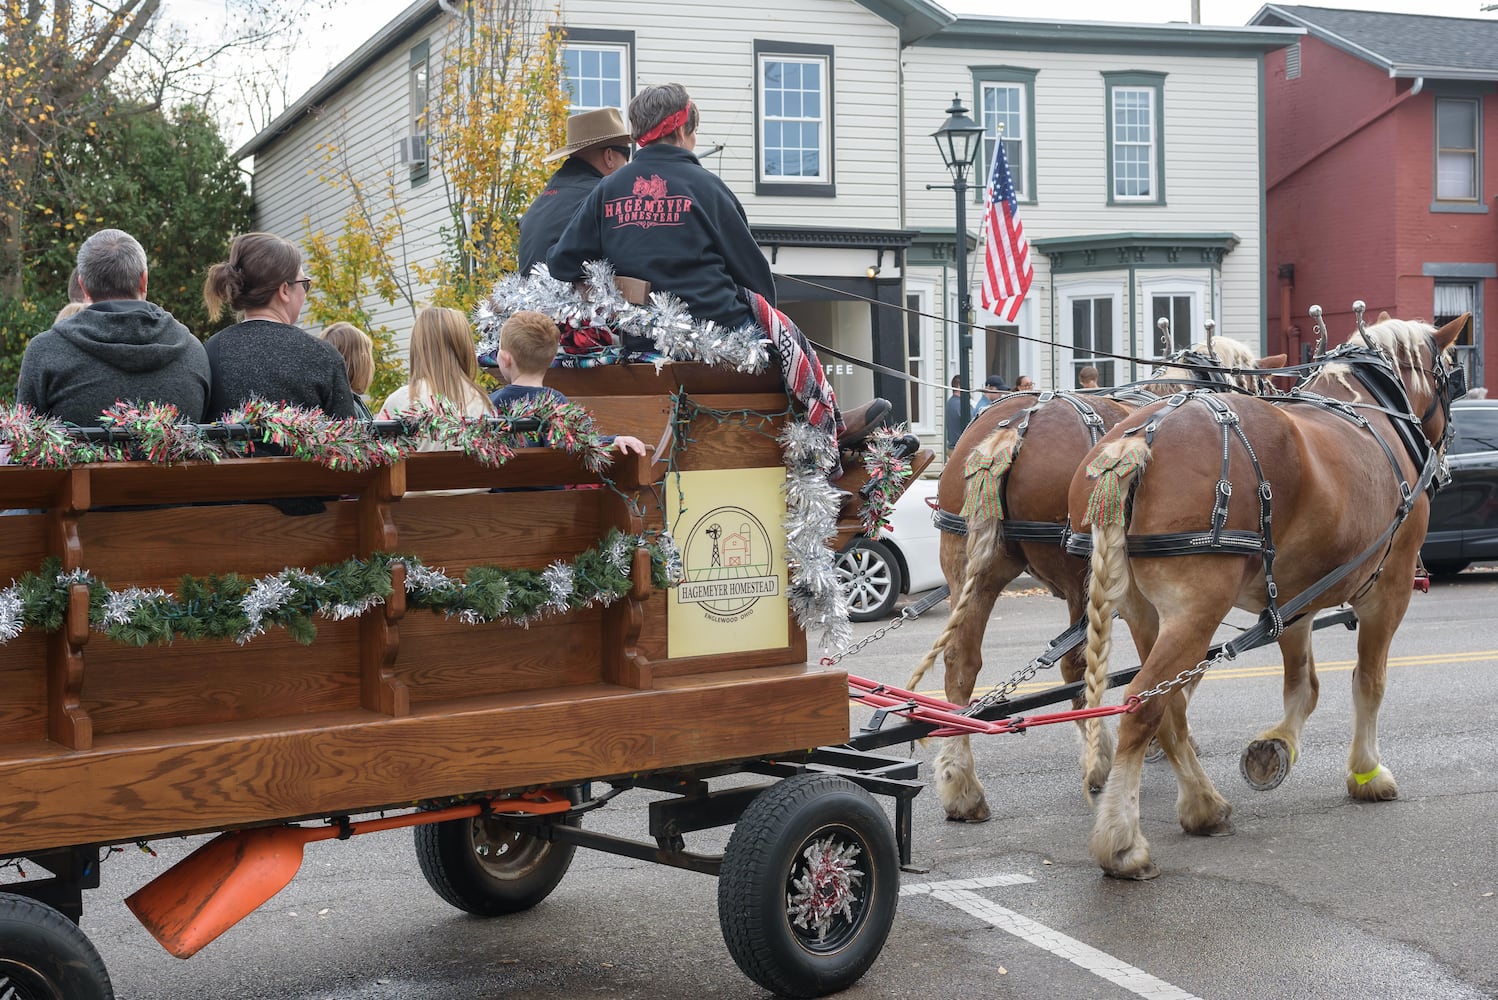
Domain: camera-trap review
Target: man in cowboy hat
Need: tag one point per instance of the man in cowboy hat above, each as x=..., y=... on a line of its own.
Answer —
x=597, y=145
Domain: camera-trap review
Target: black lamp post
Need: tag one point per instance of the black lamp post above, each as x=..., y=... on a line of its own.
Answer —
x=959, y=139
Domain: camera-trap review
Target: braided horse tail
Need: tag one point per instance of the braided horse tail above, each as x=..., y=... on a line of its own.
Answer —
x=1116, y=469
x=982, y=507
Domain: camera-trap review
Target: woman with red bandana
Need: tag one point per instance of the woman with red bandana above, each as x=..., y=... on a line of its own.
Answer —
x=668, y=220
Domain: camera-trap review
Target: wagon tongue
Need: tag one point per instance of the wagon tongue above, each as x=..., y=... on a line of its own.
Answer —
x=215, y=887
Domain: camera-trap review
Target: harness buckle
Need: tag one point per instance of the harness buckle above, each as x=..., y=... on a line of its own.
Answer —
x=1226, y=416
x=1224, y=488
x=1273, y=590
x=1265, y=491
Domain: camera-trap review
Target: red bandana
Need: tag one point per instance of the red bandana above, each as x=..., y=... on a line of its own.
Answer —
x=667, y=125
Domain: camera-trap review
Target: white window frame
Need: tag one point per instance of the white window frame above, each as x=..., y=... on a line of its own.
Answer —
x=1016, y=142
x=1197, y=287
x=625, y=74
x=820, y=183
x=933, y=399
x=1472, y=153
x=1094, y=288
x=1148, y=144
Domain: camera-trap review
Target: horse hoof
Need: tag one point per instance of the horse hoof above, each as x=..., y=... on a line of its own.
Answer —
x=1264, y=764
x=1154, y=753
x=970, y=819
x=1143, y=874
x=1222, y=828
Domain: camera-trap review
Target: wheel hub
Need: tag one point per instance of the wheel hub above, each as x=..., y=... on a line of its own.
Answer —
x=824, y=886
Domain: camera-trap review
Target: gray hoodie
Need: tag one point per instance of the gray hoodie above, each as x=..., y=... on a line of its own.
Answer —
x=119, y=349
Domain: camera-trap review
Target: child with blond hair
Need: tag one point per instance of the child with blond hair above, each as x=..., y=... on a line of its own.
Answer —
x=443, y=367
x=358, y=358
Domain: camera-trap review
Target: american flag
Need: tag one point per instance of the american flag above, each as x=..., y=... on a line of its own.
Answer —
x=1007, y=273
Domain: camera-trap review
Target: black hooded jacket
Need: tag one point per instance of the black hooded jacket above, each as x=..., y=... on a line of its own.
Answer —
x=119, y=349
x=549, y=214
x=667, y=219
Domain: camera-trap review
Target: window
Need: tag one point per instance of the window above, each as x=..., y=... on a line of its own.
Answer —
x=1176, y=309
x=1456, y=149
x=1452, y=298
x=793, y=101
x=1136, y=145
x=1005, y=98
x=1476, y=430
x=418, y=120
x=1092, y=332
x=919, y=346
x=599, y=69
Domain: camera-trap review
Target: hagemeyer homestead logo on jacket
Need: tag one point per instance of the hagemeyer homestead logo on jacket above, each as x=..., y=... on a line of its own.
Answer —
x=648, y=206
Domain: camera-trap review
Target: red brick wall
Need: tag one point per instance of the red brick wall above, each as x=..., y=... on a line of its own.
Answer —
x=1350, y=171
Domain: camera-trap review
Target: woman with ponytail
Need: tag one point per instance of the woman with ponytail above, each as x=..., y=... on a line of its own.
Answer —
x=266, y=354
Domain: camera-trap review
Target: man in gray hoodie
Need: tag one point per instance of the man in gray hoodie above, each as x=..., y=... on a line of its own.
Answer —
x=120, y=348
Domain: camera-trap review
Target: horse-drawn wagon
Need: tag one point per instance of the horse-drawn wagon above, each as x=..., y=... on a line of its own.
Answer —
x=493, y=643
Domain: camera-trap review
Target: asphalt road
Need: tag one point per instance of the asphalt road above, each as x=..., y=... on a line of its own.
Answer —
x=1314, y=897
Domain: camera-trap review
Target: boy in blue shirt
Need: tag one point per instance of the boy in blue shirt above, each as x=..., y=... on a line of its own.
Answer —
x=528, y=342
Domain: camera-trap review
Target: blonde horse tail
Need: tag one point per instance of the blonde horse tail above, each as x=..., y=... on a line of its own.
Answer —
x=1115, y=470
x=987, y=465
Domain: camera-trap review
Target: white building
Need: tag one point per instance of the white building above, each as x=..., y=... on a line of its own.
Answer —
x=1137, y=153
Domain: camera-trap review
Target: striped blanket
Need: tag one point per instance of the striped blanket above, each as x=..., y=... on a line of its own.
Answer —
x=800, y=368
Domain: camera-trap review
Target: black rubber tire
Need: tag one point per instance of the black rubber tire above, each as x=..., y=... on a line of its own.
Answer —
x=767, y=853
x=1445, y=570
x=869, y=573
x=44, y=956
x=518, y=871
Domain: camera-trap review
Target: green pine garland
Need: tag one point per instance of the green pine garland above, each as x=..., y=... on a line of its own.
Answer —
x=232, y=606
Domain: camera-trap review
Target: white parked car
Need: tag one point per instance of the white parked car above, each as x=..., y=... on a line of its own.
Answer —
x=903, y=560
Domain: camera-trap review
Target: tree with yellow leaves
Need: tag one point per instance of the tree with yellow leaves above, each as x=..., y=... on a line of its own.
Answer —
x=498, y=105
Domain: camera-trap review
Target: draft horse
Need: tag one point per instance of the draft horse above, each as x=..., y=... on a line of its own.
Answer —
x=1019, y=454
x=1280, y=506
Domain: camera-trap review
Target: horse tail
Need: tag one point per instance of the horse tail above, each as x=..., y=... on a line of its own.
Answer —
x=983, y=509
x=1116, y=469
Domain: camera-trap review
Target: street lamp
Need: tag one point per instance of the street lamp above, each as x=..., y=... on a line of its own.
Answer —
x=959, y=139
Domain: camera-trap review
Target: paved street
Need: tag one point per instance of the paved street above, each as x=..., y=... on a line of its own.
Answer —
x=1314, y=897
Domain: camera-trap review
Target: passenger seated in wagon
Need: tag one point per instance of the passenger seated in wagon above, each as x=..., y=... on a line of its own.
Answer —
x=665, y=219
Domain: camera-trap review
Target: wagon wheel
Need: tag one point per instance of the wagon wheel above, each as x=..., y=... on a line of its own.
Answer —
x=487, y=867
x=44, y=956
x=808, y=887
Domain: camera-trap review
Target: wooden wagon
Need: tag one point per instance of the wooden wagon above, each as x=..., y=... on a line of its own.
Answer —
x=496, y=732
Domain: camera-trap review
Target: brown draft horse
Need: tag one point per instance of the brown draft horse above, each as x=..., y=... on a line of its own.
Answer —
x=1047, y=438
x=1325, y=471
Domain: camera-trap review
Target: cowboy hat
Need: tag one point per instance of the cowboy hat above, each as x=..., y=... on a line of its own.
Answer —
x=602, y=127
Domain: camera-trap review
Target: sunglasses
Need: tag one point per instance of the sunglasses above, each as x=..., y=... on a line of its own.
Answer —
x=623, y=151
x=306, y=283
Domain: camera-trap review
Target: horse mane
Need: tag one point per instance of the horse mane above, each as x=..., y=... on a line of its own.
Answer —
x=1230, y=354
x=1399, y=339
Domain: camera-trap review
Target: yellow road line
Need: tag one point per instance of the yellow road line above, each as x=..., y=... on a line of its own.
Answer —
x=1276, y=670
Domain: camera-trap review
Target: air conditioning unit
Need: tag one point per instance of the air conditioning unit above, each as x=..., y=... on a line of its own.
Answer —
x=413, y=150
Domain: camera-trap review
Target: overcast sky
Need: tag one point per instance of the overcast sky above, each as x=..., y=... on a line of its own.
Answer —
x=334, y=33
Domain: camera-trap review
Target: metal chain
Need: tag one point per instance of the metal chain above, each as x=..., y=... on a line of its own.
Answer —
x=1003, y=690
x=833, y=659
x=1184, y=677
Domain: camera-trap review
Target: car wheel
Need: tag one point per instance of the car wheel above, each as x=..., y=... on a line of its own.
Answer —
x=1444, y=569
x=870, y=576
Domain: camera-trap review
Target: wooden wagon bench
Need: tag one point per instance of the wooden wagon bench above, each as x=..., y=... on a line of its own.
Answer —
x=106, y=742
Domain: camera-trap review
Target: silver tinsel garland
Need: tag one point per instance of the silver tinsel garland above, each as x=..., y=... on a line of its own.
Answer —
x=10, y=613
x=665, y=321
x=559, y=581
x=812, y=504
x=811, y=510
x=120, y=606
